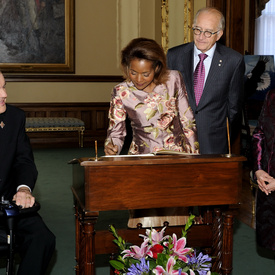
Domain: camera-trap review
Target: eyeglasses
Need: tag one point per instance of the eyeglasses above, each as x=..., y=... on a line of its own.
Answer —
x=207, y=34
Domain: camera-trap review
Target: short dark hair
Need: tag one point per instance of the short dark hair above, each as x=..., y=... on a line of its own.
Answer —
x=147, y=49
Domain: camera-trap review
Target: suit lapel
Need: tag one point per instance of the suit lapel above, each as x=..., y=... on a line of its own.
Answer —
x=188, y=69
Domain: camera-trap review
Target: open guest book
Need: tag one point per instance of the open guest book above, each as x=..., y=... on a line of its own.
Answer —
x=171, y=152
x=160, y=152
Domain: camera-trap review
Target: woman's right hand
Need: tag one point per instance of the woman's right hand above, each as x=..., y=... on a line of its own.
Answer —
x=110, y=149
x=262, y=179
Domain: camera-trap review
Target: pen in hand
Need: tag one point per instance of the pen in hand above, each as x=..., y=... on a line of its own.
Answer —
x=111, y=149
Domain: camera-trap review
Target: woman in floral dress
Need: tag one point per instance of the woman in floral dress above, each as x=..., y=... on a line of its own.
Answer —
x=155, y=101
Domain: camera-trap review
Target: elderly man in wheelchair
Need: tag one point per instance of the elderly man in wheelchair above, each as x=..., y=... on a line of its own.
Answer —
x=34, y=242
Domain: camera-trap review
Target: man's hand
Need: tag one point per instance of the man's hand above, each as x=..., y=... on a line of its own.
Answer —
x=24, y=198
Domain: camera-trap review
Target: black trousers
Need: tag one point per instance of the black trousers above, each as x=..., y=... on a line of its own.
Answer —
x=35, y=242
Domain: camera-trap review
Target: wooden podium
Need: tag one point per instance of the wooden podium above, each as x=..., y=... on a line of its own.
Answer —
x=139, y=182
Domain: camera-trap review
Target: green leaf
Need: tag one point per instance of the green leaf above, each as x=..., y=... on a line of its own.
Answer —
x=185, y=269
x=112, y=229
x=116, y=264
x=152, y=263
x=116, y=242
x=162, y=259
x=188, y=225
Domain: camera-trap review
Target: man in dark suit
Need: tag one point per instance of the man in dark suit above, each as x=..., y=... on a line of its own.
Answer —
x=18, y=175
x=222, y=92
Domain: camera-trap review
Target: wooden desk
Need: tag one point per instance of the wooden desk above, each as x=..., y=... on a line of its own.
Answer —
x=152, y=182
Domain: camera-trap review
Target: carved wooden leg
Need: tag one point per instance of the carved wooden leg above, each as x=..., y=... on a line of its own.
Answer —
x=88, y=247
x=227, y=250
x=85, y=242
x=217, y=241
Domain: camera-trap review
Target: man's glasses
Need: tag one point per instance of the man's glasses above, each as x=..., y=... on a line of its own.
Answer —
x=207, y=34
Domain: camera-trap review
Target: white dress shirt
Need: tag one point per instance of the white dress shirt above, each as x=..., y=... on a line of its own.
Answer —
x=207, y=61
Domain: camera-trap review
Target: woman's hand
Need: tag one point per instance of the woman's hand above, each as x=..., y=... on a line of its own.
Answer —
x=265, y=181
x=110, y=149
x=271, y=186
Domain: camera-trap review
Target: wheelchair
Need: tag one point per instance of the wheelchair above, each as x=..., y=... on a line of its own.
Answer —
x=9, y=212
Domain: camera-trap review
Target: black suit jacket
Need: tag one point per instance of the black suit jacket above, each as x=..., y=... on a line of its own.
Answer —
x=222, y=95
x=16, y=158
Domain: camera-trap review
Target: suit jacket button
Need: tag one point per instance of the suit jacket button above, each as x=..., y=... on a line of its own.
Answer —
x=196, y=112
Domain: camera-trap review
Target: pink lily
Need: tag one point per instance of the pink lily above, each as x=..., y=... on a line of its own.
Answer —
x=159, y=270
x=154, y=236
x=179, y=248
x=138, y=252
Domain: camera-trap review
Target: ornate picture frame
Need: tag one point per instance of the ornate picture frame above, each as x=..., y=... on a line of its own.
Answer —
x=37, y=36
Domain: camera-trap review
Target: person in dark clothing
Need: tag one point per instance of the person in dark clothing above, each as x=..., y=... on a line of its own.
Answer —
x=263, y=141
x=18, y=175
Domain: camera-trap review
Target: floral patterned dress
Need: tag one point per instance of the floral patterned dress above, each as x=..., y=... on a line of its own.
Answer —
x=160, y=120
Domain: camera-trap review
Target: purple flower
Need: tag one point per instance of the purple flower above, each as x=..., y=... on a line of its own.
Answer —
x=139, y=269
x=200, y=263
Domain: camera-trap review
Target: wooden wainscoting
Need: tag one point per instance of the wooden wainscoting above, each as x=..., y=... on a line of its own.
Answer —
x=94, y=115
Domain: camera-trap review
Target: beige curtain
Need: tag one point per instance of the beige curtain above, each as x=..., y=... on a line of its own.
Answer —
x=260, y=5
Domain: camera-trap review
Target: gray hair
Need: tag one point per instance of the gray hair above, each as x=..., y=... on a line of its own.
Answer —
x=213, y=11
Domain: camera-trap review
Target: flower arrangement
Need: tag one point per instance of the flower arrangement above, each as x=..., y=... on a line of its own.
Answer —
x=160, y=255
